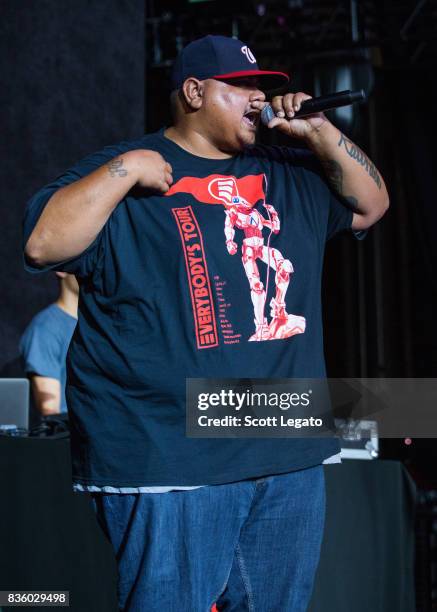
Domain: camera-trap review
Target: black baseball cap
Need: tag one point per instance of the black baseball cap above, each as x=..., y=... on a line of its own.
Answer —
x=222, y=58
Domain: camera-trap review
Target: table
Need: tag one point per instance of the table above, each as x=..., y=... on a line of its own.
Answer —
x=50, y=539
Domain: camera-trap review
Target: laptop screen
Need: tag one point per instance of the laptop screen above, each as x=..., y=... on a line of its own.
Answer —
x=14, y=402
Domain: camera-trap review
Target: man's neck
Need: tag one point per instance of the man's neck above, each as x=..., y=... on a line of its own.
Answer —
x=194, y=142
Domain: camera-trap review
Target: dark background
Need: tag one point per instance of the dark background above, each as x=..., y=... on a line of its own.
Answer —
x=78, y=76
x=72, y=82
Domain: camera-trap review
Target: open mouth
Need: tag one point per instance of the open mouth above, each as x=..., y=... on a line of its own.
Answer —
x=251, y=119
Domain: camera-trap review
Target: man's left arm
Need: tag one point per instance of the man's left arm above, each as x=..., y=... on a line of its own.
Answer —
x=348, y=169
x=351, y=174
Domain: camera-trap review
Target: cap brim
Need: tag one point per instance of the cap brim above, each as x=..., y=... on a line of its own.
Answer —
x=268, y=78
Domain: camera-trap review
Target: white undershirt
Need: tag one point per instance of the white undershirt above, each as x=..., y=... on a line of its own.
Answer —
x=133, y=490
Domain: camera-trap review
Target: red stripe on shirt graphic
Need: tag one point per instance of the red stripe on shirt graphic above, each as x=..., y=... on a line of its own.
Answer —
x=198, y=278
x=220, y=189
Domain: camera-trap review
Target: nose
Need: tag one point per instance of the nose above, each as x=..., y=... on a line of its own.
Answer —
x=258, y=96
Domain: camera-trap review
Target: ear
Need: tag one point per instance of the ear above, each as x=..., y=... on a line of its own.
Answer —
x=192, y=91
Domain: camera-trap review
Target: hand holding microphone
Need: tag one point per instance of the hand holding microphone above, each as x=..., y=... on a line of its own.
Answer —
x=288, y=112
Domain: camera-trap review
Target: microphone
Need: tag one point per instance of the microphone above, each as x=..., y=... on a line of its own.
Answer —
x=318, y=105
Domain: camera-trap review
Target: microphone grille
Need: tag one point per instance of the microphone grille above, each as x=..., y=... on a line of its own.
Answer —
x=267, y=114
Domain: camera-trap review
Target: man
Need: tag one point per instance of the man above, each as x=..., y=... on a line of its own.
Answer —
x=44, y=345
x=156, y=284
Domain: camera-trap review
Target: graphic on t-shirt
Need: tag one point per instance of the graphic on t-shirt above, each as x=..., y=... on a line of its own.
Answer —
x=198, y=278
x=239, y=196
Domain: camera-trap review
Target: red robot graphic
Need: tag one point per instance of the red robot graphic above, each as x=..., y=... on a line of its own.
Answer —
x=241, y=215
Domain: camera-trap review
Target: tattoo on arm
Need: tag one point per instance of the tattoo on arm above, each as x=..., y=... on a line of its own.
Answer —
x=115, y=167
x=361, y=158
x=334, y=173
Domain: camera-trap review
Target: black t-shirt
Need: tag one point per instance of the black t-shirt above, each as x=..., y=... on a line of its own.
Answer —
x=220, y=277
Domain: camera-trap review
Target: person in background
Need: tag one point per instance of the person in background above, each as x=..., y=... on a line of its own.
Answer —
x=44, y=345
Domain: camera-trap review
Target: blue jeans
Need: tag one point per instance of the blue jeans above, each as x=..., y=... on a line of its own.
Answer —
x=252, y=545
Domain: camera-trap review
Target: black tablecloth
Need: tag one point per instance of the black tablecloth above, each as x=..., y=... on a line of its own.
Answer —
x=50, y=540
x=367, y=557
x=49, y=536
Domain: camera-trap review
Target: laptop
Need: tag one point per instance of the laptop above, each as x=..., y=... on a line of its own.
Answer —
x=14, y=402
